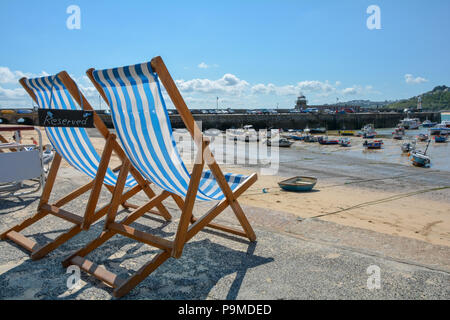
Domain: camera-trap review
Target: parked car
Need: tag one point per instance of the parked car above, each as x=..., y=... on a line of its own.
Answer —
x=312, y=110
x=294, y=111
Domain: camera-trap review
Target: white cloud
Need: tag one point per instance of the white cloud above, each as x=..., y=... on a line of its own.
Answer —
x=310, y=86
x=12, y=94
x=203, y=65
x=229, y=83
x=8, y=76
x=409, y=78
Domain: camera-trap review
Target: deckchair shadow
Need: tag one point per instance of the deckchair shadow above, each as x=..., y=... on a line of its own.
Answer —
x=74, y=146
x=141, y=120
x=192, y=277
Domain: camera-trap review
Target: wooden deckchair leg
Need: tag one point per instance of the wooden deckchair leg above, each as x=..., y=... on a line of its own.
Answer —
x=186, y=214
x=98, y=182
x=117, y=196
x=51, y=177
x=240, y=215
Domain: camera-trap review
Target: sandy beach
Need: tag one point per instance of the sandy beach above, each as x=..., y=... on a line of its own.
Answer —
x=398, y=200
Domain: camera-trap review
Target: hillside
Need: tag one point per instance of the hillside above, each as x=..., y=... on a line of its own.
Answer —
x=434, y=100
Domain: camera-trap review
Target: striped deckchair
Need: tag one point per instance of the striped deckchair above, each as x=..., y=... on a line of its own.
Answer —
x=143, y=126
x=75, y=146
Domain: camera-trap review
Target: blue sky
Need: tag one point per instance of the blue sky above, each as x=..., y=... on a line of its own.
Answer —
x=250, y=53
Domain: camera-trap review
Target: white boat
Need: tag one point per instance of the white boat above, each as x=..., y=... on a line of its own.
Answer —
x=247, y=134
x=408, y=146
x=410, y=123
x=445, y=123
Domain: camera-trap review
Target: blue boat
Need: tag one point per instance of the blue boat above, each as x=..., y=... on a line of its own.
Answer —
x=298, y=184
x=440, y=138
x=436, y=131
x=295, y=137
x=377, y=144
x=420, y=158
x=428, y=124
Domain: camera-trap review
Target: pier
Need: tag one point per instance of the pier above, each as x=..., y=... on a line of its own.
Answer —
x=348, y=121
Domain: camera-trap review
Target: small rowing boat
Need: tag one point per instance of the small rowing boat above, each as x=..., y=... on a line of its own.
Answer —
x=298, y=184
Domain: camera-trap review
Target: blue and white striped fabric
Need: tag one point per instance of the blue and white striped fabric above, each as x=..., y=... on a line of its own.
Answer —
x=73, y=144
x=143, y=126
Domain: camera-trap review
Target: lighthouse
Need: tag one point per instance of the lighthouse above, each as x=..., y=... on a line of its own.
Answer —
x=419, y=104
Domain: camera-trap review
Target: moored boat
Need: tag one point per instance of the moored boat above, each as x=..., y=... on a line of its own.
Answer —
x=318, y=130
x=298, y=184
x=442, y=138
x=346, y=132
x=345, y=142
x=327, y=141
x=368, y=132
x=376, y=144
x=410, y=123
x=408, y=146
x=282, y=143
x=420, y=158
x=428, y=124
x=423, y=137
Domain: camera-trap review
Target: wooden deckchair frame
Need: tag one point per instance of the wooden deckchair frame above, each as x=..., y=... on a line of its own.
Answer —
x=91, y=215
x=188, y=225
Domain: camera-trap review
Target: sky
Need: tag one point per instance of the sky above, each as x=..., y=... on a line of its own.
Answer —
x=249, y=53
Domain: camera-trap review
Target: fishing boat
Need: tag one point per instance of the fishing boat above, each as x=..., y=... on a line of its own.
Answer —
x=410, y=123
x=327, y=141
x=345, y=142
x=310, y=138
x=368, y=132
x=298, y=184
x=247, y=134
x=445, y=123
x=439, y=129
x=428, y=124
x=318, y=130
x=442, y=138
x=282, y=142
x=296, y=137
x=398, y=133
x=346, y=132
x=376, y=144
x=420, y=158
x=423, y=137
x=408, y=146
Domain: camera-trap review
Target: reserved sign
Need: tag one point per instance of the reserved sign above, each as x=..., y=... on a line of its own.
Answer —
x=66, y=118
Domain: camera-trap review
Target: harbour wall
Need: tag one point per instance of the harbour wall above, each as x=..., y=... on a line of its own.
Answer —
x=349, y=121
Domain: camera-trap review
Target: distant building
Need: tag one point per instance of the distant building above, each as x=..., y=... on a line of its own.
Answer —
x=301, y=103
